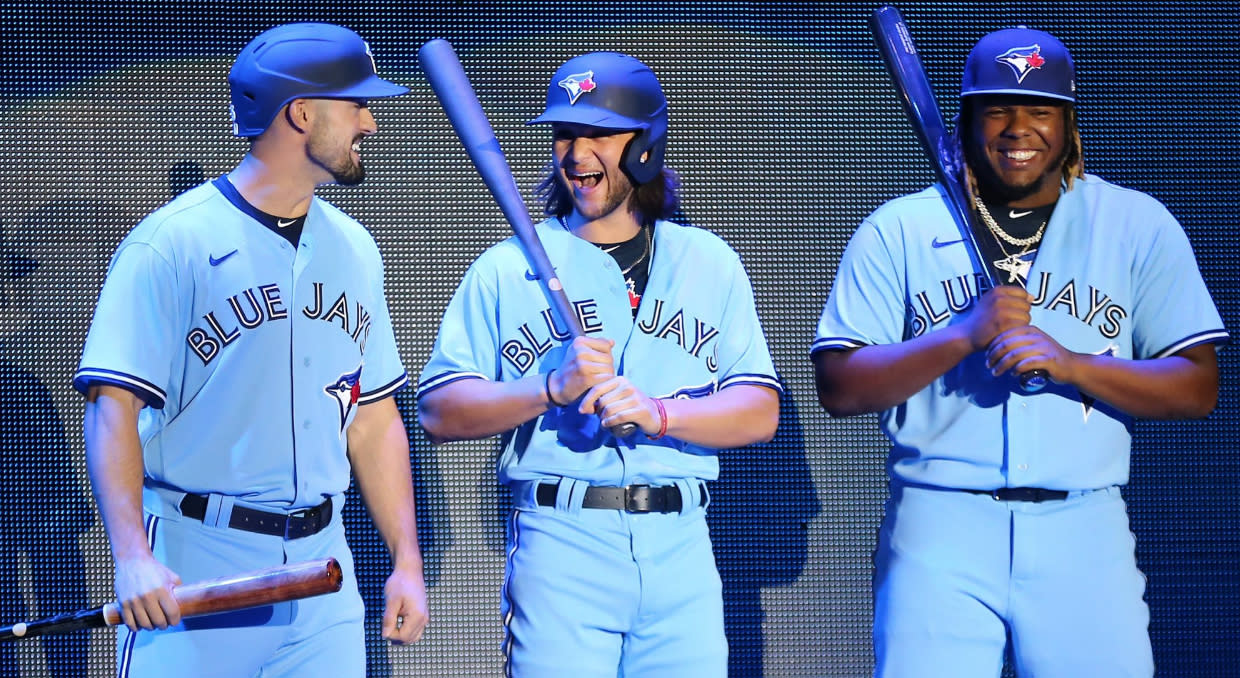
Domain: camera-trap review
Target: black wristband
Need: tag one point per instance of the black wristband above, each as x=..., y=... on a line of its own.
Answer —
x=547, y=390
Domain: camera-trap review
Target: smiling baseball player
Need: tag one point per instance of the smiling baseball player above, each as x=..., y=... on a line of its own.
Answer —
x=1005, y=523
x=610, y=569
x=240, y=362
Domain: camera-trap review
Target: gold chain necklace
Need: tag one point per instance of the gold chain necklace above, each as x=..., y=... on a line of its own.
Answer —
x=1002, y=234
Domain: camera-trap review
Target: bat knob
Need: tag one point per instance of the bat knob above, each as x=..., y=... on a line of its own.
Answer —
x=623, y=430
x=1033, y=381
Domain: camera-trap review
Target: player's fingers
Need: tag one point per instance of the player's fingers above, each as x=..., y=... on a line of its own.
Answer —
x=392, y=620
x=597, y=392
x=405, y=627
x=624, y=412
x=128, y=616
x=169, y=607
x=412, y=627
x=153, y=604
x=141, y=616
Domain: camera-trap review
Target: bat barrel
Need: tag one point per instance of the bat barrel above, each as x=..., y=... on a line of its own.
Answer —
x=455, y=93
x=264, y=587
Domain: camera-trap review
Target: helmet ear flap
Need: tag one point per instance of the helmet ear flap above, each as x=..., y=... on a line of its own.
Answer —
x=645, y=143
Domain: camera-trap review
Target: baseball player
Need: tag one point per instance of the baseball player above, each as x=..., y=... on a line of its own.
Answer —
x=1005, y=527
x=240, y=362
x=610, y=569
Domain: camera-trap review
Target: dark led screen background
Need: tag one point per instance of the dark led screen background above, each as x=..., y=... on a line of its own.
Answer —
x=786, y=133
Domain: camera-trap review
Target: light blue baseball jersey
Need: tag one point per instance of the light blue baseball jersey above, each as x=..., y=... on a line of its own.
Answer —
x=1114, y=274
x=696, y=332
x=252, y=355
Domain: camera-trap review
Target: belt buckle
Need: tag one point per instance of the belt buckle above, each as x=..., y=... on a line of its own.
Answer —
x=631, y=502
x=295, y=519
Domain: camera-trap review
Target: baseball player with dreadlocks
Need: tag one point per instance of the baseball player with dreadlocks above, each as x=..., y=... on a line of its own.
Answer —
x=240, y=362
x=1005, y=528
x=610, y=568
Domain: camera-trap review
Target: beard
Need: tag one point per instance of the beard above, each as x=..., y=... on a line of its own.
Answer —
x=338, y=162
x=619, y=190
x=994, y=189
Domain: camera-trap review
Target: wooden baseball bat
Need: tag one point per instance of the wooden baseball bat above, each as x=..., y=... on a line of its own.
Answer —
x=447, y=78
x=250, y=589
x=922, y=109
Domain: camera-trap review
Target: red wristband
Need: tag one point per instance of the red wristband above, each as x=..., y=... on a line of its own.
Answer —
x=658, y=403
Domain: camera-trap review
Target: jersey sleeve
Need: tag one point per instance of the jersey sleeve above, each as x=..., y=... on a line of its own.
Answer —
x=468, y=340
x=133, y=337
x=866, y=305
x=382, y=373
x=1172, y=309
x=743, y=356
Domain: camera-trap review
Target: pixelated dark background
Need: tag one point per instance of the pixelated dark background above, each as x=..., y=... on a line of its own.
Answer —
x=786, y=132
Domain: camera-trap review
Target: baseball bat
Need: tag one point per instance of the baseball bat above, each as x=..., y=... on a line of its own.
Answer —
x=922, y=109
x=251, y=589
x=447, y=78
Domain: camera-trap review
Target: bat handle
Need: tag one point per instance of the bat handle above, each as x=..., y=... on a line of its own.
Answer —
x=1033, y=381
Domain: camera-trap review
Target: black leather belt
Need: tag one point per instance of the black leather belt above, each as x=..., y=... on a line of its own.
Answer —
x=294, y=525
x=1034, y=494
x=634, y=498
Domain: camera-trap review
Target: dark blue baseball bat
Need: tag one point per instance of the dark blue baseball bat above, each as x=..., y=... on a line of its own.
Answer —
x=922, y=109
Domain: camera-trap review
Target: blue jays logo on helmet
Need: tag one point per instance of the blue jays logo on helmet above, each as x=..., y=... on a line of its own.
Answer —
x=1023, y=60
x=578, y=84
x=1040, y=62
x=346, y=390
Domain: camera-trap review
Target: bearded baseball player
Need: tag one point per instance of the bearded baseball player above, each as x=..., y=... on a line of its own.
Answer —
x=240, y=362
x=1005, y=528
x=610, y=569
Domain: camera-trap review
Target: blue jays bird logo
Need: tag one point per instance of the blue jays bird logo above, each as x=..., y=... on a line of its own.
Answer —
x=578, y=84
x=1023, y=60
x=346, y=391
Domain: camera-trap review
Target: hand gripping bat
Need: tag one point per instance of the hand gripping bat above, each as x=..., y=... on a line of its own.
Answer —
x=922, y=110
x=460, y=103
x=250, y=589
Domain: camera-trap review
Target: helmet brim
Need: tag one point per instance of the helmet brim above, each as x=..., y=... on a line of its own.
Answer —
x=1040, y=94
x=591, y=116
x=372, y=87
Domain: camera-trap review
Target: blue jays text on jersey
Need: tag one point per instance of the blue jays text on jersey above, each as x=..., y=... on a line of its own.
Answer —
x=255, y=306
x=534, y=343
x=1080, y=299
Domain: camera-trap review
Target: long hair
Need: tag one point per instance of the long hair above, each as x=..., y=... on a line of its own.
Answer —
x=1074, y=154
x=658, y=198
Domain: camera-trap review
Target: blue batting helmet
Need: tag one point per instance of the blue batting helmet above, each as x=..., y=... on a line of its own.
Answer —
x=610, y=90
x=302, y=60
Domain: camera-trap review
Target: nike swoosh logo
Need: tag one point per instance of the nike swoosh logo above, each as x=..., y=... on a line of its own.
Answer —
x=936, y=243
x=280, y=223
x=217, y=262
x=1013, y=214
x=530, y=275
